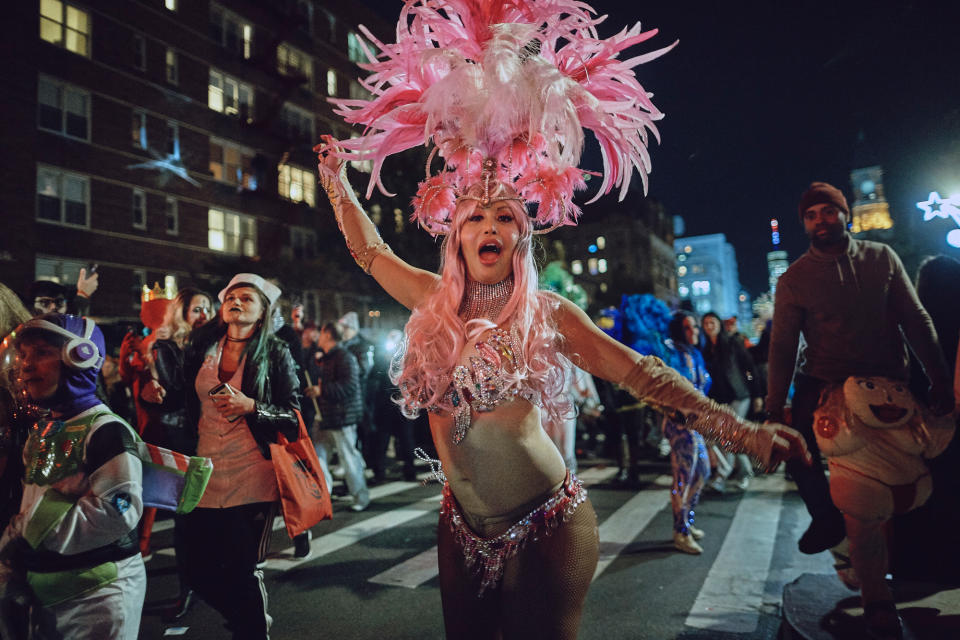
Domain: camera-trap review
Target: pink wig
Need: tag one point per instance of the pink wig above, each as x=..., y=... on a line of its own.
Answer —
x=436, y=335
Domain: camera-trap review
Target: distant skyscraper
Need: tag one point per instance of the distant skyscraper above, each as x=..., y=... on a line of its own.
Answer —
x=707, y=274
x=870, y=208
x=777, y=263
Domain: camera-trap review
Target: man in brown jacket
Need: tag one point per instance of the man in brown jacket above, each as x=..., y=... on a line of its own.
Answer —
x=853, y=304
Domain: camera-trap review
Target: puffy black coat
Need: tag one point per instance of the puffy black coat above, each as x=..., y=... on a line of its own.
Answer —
x=340, y=400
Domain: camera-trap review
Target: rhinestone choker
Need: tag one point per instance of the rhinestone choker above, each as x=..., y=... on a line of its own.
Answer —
x=485, y=300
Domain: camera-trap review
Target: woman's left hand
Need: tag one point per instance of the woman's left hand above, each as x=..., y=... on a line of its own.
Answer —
x=230, y=406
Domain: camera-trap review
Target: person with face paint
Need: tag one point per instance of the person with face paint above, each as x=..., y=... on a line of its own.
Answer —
x=241, y=391
x=74, y=538
x=853, y=303
x=484, y=347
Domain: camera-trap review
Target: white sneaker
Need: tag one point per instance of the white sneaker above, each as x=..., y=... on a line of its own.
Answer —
x=696, y=533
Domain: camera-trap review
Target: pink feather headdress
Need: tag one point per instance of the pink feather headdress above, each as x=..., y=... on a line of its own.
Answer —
x=503, y=89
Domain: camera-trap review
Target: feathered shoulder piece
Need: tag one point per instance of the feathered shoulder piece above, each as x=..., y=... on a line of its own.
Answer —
x=503, y=90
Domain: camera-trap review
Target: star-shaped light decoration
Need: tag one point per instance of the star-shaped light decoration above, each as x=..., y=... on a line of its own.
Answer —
x=167, y=165
x=937, y=207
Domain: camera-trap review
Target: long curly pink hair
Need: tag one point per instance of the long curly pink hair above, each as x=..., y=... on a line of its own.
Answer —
x=436, y=335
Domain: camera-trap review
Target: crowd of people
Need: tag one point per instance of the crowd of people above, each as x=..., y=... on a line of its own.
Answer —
x=497, y=366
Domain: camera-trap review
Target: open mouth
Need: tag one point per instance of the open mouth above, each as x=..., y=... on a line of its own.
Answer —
x=888, y=412
x=238, y=309
x=489, y=252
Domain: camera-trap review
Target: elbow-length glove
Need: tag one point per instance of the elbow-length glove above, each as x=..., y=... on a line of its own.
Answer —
x=655, y=383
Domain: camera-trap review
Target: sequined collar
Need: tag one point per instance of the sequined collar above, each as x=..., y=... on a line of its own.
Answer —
x=485, y=300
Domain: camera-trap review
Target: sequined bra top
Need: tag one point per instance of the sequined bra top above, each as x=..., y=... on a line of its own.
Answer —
x=483, y=385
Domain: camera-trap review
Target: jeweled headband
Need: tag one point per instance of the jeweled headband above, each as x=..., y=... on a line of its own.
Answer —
x=503, y=90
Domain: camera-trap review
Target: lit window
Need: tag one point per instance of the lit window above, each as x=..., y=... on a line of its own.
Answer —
x=139, y=209
x=296, y=184
x=229, y=96
x=138, y=129
x=701, y=287
x=173, y=139
x=293, y=62
x=602, y=265
x=684, y=291
x=63, y=108
x=593, y=267
x=231, y=31
x=232, y=164
x=63, y=197
x=681, y=271
x=687, y=249
x=173, y=67
x=331, y=83
x=139, y=52
x=171, y=216
x=576, y=267
x=171, y=5
x=62, y=270
x=601, y=243
x=64, y=25
x=231, y=233
x=297, y=123
x=355, y=48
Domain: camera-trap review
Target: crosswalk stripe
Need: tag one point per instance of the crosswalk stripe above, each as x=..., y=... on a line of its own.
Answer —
x=731, y=598
x=623, y=525
x=356, y=532
x=422, y=567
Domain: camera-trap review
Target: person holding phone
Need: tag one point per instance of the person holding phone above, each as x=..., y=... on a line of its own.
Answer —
x=241, y=390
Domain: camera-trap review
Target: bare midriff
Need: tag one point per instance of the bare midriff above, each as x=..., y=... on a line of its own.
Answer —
x=506, y=460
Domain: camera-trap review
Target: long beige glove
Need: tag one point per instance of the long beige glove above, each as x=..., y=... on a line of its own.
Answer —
x=655, y=383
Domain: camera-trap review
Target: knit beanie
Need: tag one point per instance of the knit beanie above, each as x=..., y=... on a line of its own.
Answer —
x=822, y=193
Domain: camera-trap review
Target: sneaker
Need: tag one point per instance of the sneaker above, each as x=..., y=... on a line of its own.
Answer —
x=686, y=543
x=696, y=533
x=301, y=545
x=360, y=505
x=822, y=534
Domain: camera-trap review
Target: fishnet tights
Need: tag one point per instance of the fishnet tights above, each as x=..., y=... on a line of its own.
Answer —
x=543, y=587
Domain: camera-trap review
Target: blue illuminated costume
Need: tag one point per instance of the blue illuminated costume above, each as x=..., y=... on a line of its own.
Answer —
x=688, y=453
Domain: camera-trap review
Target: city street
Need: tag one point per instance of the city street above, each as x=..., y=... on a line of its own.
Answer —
x=374, y=574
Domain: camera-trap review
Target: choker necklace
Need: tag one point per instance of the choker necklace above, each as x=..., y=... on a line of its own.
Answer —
x=485, y=300
x=229, y=339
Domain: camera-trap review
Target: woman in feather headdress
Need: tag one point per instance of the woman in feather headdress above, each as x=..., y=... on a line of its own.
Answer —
x=502, y=90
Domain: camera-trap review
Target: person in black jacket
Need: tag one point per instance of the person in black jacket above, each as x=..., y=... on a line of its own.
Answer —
x=735, y=383
x=162, y=399
x=337, y=390
x=241, y=391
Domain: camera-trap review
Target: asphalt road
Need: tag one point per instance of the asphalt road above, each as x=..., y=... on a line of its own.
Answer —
x=373, y=574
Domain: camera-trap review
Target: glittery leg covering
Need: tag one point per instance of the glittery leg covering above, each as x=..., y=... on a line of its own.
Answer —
x=487, y=556
x=655, y=383
x=691, y=469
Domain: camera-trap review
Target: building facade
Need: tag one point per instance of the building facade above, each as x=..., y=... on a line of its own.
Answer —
x=619, y=250
x=707, y=274
x=160, y=138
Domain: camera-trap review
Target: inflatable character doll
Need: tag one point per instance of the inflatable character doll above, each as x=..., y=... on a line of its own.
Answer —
x=876, y=436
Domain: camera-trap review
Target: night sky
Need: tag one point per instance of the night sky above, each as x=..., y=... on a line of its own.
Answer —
x=761, y=98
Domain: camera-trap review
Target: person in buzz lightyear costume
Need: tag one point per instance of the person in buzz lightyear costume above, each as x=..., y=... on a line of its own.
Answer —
x=876, y=436
x=74, y=541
